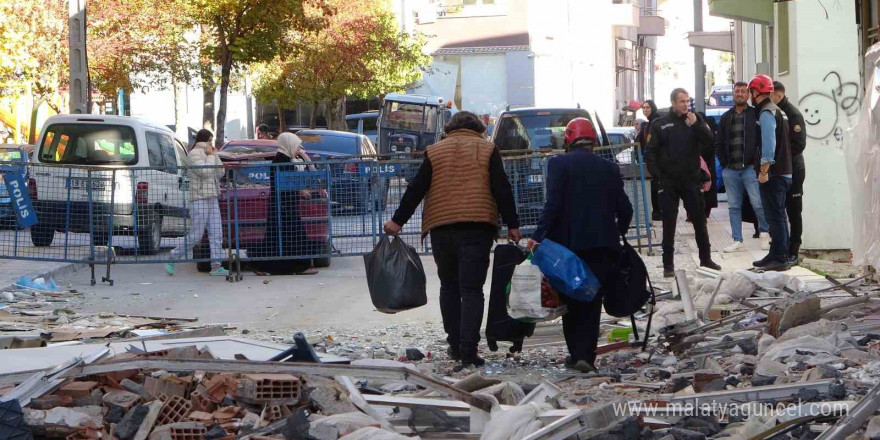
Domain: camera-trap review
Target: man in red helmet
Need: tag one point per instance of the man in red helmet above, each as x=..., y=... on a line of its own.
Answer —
x=586, y=210
x=774, y=173
x=675, y=145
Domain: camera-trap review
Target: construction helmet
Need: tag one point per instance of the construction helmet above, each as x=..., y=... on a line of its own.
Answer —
x=580, y=128
x=762, y=83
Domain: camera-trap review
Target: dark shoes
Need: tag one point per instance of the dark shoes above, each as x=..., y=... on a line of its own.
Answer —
x=580, y=366
x=711, y=265
x=794, y=260
x=772, y=264
x=470, y=361
x=454, y=353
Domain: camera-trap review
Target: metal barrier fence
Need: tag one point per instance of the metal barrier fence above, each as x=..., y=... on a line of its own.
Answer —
x=274, y=216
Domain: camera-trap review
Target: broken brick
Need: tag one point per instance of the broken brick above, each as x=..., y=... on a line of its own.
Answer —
x=201, y=402
x=77, y=389
x=136, y=388
x=219, y=386
x=174, y=410
x=269, y=388
x=51, y=401
x=123, y=399
x=169, y=386
x=180, y=431
x=202, y=417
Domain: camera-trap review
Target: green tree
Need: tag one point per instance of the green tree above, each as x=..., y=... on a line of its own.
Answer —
x=237, y=33
x=361, y=53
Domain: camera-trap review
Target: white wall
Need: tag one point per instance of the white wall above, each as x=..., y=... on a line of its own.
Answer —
x=158, y=106
x=824, y=83
x=573, y=43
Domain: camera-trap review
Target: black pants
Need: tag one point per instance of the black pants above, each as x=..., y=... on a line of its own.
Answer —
x=773, y=195
x=794, y=206
x=688, y=193
x=581, y=324
x=462, y=256
x=656, y=206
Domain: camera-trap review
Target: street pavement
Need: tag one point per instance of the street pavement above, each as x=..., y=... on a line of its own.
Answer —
x=336, y=296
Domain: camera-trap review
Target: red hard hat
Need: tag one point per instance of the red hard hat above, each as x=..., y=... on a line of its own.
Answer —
x=762, y=83
x=580, y=128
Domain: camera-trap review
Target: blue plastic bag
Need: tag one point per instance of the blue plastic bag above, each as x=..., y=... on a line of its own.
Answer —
x=566, y=272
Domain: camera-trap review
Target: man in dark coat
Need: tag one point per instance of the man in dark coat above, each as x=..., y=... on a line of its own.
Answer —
x=587, y=210
x=676, y=143
x=797, y=137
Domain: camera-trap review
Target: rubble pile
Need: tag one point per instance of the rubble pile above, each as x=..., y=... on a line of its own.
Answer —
x=740, y=356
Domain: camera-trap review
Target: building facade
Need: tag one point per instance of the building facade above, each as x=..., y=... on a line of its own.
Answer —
x=491, y=54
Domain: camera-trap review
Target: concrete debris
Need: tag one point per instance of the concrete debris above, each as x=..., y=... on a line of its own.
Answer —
x=756, y=339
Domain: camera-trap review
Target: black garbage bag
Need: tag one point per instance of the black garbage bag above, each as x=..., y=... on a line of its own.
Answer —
x=395, y=276
x=500, y=326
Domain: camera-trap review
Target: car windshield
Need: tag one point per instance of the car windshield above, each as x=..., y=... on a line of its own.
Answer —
x=319, y=143
x=534, y=131
x=403, y=116
x=249, y=149
x=352, y=125
x=723, y=98
x=89, y=144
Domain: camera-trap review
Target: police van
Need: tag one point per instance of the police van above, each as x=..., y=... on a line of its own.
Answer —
x=108, y=175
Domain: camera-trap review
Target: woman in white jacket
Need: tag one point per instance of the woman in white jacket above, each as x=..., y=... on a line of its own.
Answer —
x=205, y=195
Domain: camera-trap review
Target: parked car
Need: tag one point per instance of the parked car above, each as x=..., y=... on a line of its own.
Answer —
x=11, y=154
x=365, y=124
x=523, y=131
x=623, y=156
x=251, y=186
x=721, y=96
x=147, y=203
x=353, y=185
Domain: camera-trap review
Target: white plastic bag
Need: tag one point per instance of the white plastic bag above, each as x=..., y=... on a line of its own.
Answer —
x=524, y=300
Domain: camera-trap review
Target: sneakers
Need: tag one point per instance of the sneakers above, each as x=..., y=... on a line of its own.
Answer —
x=794, y=260
x=169, y=269
x=219, y=272
x=736, y=246
x=765, y=241
x=711, y=265
x=668, y=272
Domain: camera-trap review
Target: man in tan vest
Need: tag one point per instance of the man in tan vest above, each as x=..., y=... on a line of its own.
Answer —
x=463, y=183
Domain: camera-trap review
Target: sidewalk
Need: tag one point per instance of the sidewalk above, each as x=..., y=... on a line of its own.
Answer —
x=12, y=270
x=720, y=236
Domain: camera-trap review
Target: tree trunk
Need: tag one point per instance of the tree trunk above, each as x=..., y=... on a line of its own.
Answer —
x=282, y=123
x=209, y=88
x=334, y=113
x=181, y=129
x=225, y=72
x=313, y=119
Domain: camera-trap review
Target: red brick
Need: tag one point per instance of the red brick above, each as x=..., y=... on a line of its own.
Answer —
x=77, y=389
x=269, y=387
x=201, y=402
x=174, y=410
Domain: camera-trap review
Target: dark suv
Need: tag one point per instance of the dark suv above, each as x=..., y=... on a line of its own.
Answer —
x=525, y=131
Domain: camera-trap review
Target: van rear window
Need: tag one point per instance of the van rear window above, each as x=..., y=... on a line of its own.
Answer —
x=89, y=144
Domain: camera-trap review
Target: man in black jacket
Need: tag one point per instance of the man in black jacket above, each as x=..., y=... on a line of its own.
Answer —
x=737, y=145
x=797, y=137
x=675, y=145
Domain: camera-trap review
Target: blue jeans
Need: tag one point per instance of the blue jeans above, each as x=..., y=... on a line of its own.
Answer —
x=739, y=183
x=773, y=196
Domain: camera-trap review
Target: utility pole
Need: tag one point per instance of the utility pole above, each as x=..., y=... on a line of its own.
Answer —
x=699, y=67
x=80, y=101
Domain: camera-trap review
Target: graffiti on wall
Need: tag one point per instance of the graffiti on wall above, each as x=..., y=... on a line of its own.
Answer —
x=830, y=110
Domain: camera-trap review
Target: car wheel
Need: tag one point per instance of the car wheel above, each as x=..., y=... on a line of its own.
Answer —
x=321, y=262
x=150, y=235
x=42, y=236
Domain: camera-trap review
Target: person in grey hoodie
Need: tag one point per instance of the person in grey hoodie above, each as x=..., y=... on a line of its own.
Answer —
x=205, y=194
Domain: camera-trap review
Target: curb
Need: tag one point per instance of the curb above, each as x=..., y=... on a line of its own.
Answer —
x=66, y=269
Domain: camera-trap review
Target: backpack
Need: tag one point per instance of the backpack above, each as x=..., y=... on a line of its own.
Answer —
x=630, y=289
